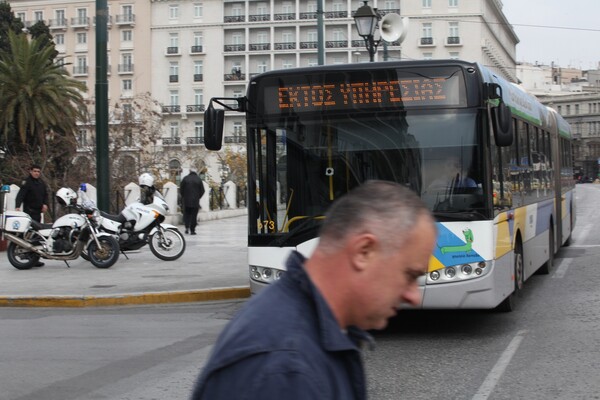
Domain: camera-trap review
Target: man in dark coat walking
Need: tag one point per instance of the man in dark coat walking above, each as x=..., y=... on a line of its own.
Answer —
x=191, y=190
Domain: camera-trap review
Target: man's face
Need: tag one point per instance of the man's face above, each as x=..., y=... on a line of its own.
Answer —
x=35, y=172
x=392, y=278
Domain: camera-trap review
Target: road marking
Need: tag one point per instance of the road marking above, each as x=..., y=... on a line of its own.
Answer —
x=490, y=382
x=563, y=267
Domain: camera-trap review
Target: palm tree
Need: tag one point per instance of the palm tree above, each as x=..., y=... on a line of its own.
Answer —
x=39, y=102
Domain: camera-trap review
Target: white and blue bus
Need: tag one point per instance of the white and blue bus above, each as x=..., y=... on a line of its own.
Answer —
x=492, y=163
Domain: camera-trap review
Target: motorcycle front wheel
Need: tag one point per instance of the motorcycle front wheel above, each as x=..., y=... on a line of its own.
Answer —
x=21, y=258
x=168, y=244
x=106, y=255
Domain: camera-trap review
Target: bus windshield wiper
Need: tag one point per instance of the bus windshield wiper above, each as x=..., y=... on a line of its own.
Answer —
x=301, y=228
x=459, y=215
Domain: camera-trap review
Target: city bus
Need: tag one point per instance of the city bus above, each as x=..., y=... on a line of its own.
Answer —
x=315, y=133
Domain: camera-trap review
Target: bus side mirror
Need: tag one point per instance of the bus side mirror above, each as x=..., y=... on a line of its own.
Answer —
x=213, y=127
x=502, y=125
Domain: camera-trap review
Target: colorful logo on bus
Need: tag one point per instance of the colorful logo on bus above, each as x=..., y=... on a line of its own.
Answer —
x=453, y=249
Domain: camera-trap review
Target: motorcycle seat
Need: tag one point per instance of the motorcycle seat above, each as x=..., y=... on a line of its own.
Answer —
x=118, y=218
x=39, y=226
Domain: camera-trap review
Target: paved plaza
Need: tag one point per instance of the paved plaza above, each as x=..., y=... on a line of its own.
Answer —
x=213, y=267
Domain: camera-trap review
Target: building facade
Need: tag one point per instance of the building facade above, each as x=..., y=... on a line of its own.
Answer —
x=183, y=52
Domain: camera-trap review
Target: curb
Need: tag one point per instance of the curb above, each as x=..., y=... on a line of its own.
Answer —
x=239, y=292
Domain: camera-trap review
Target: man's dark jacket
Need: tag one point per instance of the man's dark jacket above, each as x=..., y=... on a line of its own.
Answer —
x=33, y=195
x=191, y=190
x=285, y=344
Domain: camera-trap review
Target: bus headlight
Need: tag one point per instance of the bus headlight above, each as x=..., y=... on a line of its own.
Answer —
x=459, y=273
x=265, y=274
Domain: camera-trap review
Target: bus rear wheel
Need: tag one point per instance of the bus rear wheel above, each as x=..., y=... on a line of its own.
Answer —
x=509, y=303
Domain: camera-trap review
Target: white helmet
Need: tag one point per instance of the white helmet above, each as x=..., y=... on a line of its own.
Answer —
x=146, y=180
x=66, y=197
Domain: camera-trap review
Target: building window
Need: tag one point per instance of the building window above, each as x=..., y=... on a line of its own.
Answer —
x=453, y=29
x=427, y=30
x=59, y=39
x=237, y=94
x=173, y=40
x=198, y=129
x=173, y=12
x=60, y=16
x=198, y=10
x=426, y=3
x=174, y=97
x=174, y=68
x=127, y=35
x=174, y=129
x=237, y=128
x=452, y=3
x=127, y=84
x=198, y=97
x=38, y=16
x=198, y=39
x=262, y=67
x=576, y=109
x=287, y=63
x=454, y=55
x=21, y=16
x=82, y=38
x=175, y=171
x=568, y=109
x=427, y=56
x=81, y=15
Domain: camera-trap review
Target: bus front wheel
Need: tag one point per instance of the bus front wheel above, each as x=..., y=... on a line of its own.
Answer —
x=509, y=303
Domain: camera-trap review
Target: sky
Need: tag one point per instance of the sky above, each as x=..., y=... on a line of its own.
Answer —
x=566, y=32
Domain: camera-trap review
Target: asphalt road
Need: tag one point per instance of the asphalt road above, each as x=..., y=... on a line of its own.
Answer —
x=546, y=349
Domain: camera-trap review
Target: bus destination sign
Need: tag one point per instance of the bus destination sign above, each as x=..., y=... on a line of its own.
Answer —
x=383, y=94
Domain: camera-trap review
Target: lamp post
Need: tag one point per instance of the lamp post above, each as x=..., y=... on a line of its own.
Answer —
x=366, y=19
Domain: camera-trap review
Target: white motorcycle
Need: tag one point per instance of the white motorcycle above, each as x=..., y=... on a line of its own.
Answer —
x=139, y=224
x=65, y=239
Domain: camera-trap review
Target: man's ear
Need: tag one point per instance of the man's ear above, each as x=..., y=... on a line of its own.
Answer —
x=362, y=250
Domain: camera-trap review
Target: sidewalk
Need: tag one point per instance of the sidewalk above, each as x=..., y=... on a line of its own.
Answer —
x=213, y=267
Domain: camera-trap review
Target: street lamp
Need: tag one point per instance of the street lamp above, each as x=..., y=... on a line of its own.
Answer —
x=366, y=19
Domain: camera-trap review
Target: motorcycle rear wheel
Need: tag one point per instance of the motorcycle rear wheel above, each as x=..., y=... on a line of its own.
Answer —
x=106, y=255
x=21, y=258
x=168, y=244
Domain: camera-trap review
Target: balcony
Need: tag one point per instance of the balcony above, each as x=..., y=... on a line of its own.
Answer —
x=172, y=51
x=453, y=40
x=260, y=46
x=195, y=140
x=173, y=78
x=80, y=70
x=198, y=77
x=60, y=23
x=284, y=17
x=234, y=139
x=336, y=14
x=308, y=15
x=235, y=47
x=125, y=19
x=358, y=42
x=234, y=18
x=426, y=41
x=125, y=68
x=385, y=11
x=196, y=49
x=309, y=45
x=259, y=17
x=171, y=109
x=194, y=108
x=80, y=23
x=285, y=46
x=171, y=140
x=235, y=77
x=336, y=44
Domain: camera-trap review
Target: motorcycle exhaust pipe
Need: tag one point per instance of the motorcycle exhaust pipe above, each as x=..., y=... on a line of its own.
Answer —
x=22, y=243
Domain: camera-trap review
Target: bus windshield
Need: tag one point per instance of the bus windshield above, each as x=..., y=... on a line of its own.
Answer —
x=319, y=157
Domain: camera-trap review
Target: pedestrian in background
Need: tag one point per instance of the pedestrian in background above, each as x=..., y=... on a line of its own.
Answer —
x=300, y=338
x=33, y=195
x=191, y=190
